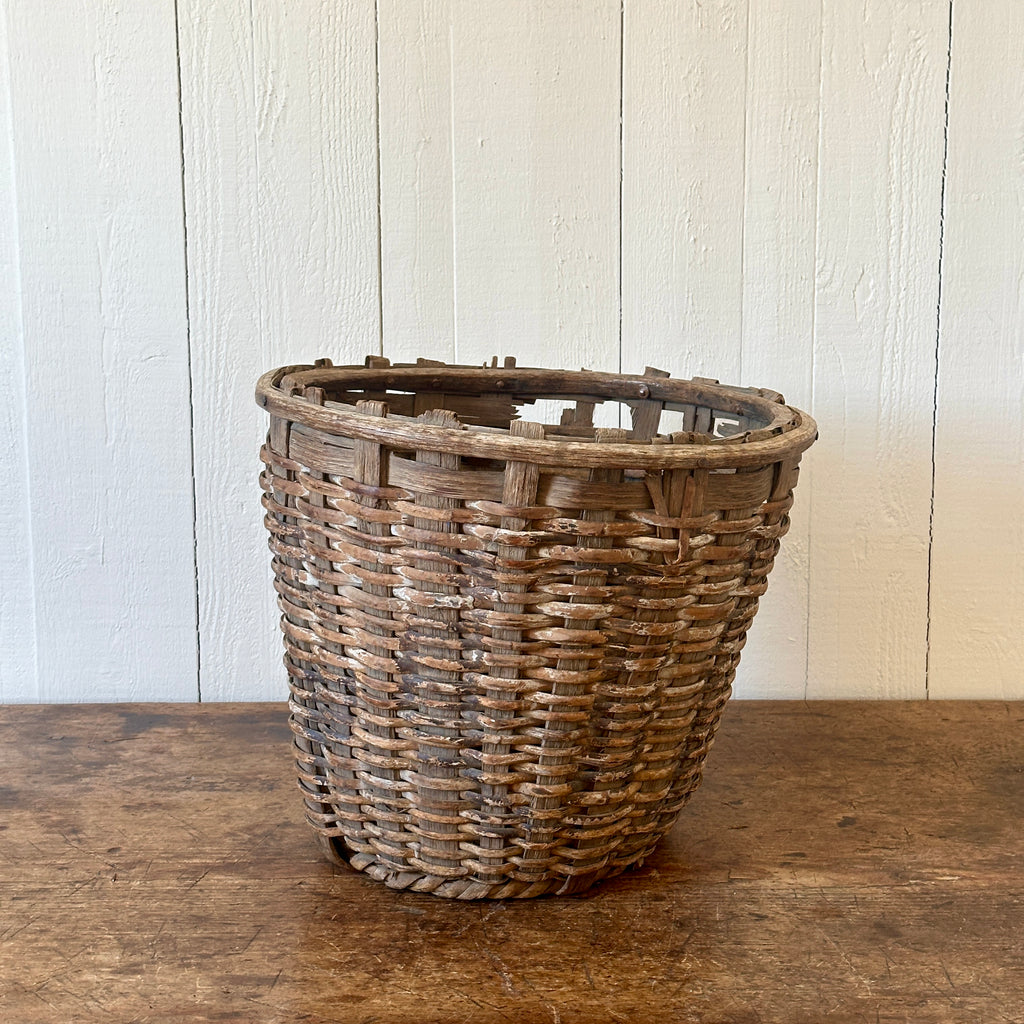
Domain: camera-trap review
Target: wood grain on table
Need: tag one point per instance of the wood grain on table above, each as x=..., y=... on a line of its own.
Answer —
x=849, y=862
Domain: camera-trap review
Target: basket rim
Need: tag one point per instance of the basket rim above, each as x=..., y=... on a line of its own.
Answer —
x=795, y=431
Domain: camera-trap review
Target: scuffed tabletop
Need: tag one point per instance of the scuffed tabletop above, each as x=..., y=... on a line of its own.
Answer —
x=846, y=862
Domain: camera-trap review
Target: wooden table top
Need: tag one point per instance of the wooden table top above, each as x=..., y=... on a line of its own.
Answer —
x=843, y=862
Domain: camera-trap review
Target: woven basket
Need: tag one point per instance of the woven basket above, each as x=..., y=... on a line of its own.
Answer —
x=509, y=642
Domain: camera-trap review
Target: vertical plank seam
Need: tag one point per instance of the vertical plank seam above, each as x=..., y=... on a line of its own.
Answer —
x=622, y=167
x=938, y=338
x=261, y=311
x=454, y=209
x=380, y=219
x=814, y=341
x=746, y=183
x=188, y=360
x=20, y=375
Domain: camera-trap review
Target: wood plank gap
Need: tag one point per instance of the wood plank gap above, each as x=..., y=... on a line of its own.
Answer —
x=261, y=316
x=814, y=341
x=938, y=339
x=380, y=231
x=622, y=166
x=746, y=186
x=19, y=674
x=188, y=358
x=884, y=80
x=454, y=211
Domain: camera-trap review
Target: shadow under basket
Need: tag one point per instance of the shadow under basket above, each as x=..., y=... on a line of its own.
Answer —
x=509, y=642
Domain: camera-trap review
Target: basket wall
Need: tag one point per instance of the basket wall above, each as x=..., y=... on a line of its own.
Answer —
x=505, y=679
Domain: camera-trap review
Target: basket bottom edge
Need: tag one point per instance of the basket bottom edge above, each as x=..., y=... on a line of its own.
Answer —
x=335, y=850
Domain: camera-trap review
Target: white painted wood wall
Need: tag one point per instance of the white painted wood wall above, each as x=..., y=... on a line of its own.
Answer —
x=821, y=197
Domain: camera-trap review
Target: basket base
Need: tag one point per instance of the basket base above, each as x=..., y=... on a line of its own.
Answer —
x=335, y=851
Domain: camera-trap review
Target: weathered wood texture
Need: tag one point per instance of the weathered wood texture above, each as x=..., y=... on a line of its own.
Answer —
x=777, y=337
x=17, y=591
x=846, y=862
x=99, y=328
x=535, y=206
x=876, y=291
x=281, y=172
x=683, y=75
x=417, y=236
x=976, y=583
x=748, y=191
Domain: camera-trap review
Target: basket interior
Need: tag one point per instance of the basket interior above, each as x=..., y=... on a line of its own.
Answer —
x=577, y=407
